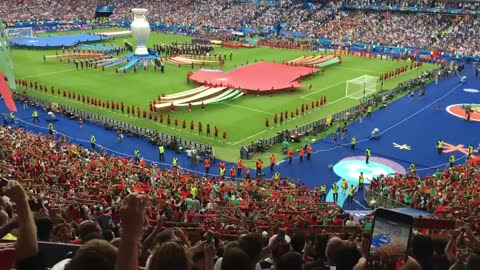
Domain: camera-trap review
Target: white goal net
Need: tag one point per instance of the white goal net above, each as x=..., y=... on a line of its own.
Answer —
x=19, y=32
x=361, y=87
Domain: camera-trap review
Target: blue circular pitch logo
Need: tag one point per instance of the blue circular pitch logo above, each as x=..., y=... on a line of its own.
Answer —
x=351, y=169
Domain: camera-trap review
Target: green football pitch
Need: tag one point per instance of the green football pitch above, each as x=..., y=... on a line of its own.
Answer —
x=242, y=118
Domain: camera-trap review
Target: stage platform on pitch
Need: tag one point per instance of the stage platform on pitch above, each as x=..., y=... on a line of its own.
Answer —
x=56, y=41
x=261, y=77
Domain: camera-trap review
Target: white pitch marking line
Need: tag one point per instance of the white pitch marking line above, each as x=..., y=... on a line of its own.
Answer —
x=251, y=136
x=49, y=73
x=364, y=70
x=323, y=89
x=246, y=108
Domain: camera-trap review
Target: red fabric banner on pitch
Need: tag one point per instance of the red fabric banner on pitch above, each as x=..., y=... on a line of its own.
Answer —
x=7, y=94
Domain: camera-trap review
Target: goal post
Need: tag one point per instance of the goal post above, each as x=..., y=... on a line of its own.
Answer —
x=19, y=32
x=361, y=87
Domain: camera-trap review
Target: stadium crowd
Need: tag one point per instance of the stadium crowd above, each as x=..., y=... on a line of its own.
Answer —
x=107, y=204
x=450, y=193
x=324, y=19
x=129, y=215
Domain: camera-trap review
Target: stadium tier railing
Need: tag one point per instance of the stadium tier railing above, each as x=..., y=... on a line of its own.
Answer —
x=375, y=199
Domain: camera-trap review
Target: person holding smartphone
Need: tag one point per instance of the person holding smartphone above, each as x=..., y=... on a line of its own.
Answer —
x=389, y=243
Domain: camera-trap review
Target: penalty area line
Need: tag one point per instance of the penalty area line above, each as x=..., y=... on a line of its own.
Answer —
x=251, y=136
x=49, y=73
x=245, y=108
x=323, y=89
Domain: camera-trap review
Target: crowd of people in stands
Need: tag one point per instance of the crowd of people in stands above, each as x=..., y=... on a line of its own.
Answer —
x=386, y=28
x=126, y=216
x=323, y=19
x=184, y=221
x=469, y=5
x=446, y=194
x=183, y=48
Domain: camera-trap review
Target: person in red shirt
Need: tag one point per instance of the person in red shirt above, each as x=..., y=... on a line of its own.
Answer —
x=191, y=126
x=189, y=106
x=272, y=162
x=246, y=172
x=161, y=118
x=224, y=135
x=176, y=122
x=203, y=106
x=215, y=132
x=259, y=166
x=239, y=167
x=206, y=163
x=169, y=120
x=301, y=153
x=200, y=128
x=267, y=123
x=184, y=124
x=232, y=173
x=275, y=119
x=172, y=107
x=290, y=156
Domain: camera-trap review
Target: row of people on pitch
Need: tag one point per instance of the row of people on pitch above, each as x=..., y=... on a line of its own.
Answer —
x=303, y=109
x=153, y=104
x=183, y=48
x=235, y=173
x=301, y=153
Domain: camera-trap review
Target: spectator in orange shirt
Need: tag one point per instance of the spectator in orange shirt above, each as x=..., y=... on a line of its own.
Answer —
x=290, y=156
x=272, y=162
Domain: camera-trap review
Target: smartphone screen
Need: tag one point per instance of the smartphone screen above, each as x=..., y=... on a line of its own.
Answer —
x=389, y=242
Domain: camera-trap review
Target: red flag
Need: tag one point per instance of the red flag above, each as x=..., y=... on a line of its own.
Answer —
x=7, y=94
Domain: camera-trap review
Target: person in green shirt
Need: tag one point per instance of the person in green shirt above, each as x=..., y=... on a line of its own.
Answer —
x=193, y=191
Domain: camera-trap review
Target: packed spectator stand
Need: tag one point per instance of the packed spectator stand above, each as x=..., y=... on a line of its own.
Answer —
x=324, y=19
x=68, y=194
x=78, y=196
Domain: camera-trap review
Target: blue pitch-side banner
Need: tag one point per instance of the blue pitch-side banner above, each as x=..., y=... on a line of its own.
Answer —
x=105, y=9
x=413, y=9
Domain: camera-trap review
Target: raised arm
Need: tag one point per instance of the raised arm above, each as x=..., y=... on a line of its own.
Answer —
x=131, y=215
x=27, y=245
